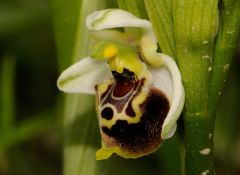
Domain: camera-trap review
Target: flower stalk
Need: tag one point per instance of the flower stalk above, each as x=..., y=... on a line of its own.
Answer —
x=204, y=69
x=195, y=28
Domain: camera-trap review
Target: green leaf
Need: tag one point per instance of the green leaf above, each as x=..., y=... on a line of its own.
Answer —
x=136, y=7
x=81, y=136
x=227, y=39
x=16, y=17
x=28, y=129
x=227, y=126
x=160, y=14
x=111, y=4
x=71, y=35
x=80, y=121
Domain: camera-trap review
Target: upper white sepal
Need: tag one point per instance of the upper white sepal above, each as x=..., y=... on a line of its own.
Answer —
x=115, y=18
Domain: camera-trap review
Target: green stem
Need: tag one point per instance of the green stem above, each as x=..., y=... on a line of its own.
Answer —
x=199, y=131
x=195, y=26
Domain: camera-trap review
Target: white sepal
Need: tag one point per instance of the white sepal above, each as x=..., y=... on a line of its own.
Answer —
x=116, y=18
x=177, y=98
x=82, y=76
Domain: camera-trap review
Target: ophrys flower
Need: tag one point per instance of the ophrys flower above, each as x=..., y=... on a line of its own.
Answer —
x=139, y=93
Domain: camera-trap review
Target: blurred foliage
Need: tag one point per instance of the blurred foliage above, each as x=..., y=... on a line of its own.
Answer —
x=29, y=122
x=30, y=118
x=227, y=138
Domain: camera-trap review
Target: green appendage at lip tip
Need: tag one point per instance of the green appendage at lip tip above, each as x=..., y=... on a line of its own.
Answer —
x=103, y=153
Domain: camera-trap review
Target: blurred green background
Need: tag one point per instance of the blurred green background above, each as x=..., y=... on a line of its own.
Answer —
x=30, y=134
x=31, y=112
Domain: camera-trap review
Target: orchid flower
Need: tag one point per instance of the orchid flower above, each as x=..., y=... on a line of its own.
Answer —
x=139, y=93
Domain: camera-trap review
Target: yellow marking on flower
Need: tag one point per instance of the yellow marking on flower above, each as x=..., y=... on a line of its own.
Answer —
x=136, y=104
x=121, y=116
x=105, y=153
x=102, y=87
x=110, y=51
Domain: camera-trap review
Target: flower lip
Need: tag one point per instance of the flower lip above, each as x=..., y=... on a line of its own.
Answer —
x=138, y=139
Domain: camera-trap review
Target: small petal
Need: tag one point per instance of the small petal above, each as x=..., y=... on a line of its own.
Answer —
x=83, y=76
